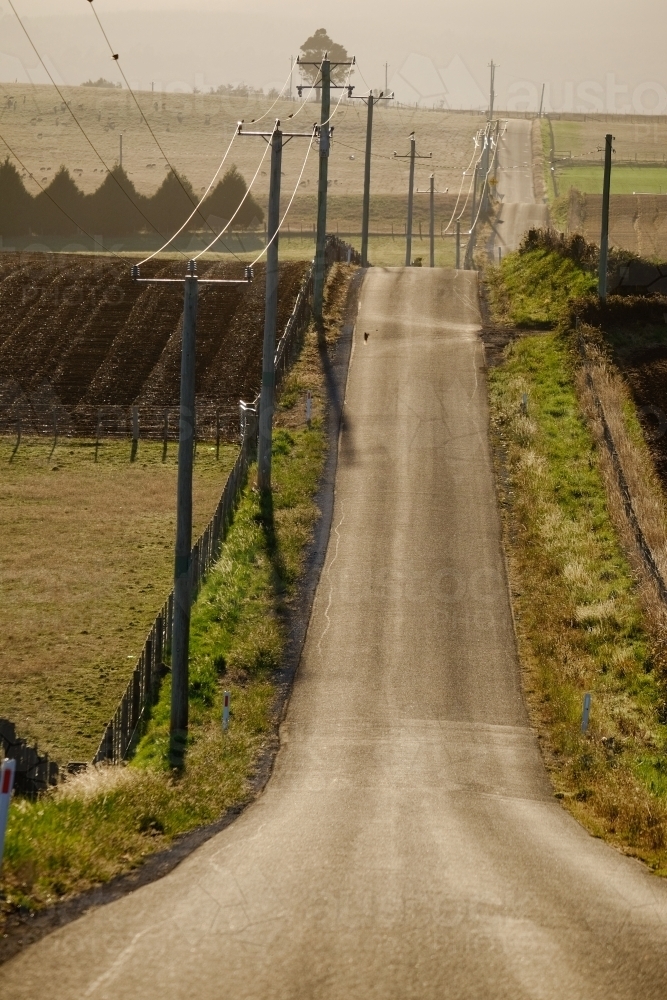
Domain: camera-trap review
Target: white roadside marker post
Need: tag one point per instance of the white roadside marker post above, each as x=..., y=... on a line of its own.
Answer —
x=6, y=785
x=225, y=712
x=586, y=712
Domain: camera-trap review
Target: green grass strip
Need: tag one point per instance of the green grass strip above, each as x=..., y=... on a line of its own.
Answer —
x=105, y=821
x=580, y=620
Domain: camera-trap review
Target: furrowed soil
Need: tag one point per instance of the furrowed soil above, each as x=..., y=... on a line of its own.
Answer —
x=77, y=333
x=87, y=533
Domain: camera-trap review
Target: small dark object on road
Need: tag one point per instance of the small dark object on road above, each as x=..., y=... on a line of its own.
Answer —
x=365, y=335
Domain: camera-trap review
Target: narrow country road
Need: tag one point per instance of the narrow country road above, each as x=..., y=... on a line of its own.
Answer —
x=407, y=846
x=518, y=210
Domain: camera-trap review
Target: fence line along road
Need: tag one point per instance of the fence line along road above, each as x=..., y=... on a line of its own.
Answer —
x=143, y=688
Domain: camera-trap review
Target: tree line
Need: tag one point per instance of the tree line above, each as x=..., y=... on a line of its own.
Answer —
x=62, y=209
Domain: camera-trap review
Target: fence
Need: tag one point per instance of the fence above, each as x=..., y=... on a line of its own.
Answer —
x=212, y=421
x=144, y=685
x=34, y=771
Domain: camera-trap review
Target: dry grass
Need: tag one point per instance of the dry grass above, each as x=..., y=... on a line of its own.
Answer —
x=106, y=821
x=196, y=129
x=85, y=566
x=582, y=619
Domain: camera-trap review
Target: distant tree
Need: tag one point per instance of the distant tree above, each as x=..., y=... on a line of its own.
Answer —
x=15, y=202
x=111, y=210
x=226, y=197
x=171, y=204
x=313, y=50
x=48, y=217
x=102, y=83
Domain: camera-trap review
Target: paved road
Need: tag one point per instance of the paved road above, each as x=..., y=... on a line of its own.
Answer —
x=407, y=845
x=519, y=211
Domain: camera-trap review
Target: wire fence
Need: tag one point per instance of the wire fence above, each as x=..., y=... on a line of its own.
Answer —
x=142, y=692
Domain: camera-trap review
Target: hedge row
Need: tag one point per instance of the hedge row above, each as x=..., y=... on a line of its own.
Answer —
x=62, y=208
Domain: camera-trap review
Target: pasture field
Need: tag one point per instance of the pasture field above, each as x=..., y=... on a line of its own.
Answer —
x=196, y=129
x=624, y=179
x=86, y=562
x=87, y=551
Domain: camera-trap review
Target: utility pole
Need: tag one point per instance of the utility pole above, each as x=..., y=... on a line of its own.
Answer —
x=412, y=156
x=121, y=150
x=371, y=101
x=180, y=642
x=291, y=71
x=278, y=139
x=458, y=244
x=604, y=235
x=386, y=77
x=325, y=67
x=492, y=94
x=266, y=399
x=539, y=115
x=431, y=232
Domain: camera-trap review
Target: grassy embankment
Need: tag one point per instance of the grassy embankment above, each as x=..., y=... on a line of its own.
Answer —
x=107, y=821
x=583, y=622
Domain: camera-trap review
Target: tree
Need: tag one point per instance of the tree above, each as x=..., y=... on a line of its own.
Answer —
x=15, y=202
x=314, y=49
x=225, y=199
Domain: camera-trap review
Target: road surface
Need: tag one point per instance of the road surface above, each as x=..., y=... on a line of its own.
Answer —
x=518, y=210
x=407, y=846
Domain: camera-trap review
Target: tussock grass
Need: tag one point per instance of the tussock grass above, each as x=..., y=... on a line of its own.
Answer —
x=106, y=821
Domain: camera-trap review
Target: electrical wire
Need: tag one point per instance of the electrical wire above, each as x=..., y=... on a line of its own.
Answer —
x=115, y=57
x=238, y=209
x=59, y=207
x=458, y=199
x=82, y=130
x=196, y=208
x=196, y=211
x=289, y=205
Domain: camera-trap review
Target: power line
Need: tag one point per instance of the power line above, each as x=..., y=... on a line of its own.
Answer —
x=238, y=208
x=115, y=57
x=195, y=210
x=83, y=131
x=59, y=207
x=289, y=205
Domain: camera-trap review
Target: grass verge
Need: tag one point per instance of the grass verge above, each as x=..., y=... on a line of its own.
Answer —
x=106, y=821
x=583, y=620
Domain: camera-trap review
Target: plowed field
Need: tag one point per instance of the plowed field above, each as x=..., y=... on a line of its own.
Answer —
x=77, y=335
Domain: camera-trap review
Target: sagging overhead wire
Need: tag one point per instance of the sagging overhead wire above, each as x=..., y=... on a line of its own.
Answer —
x=59, y=207
x=116, y=58
x=238, y=208
x=83, y=131
x=289, y=204
x=492, y=164
x=196, y=208
x=299, y=178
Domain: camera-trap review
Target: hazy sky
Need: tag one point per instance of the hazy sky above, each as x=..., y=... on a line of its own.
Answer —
x=593, y=55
